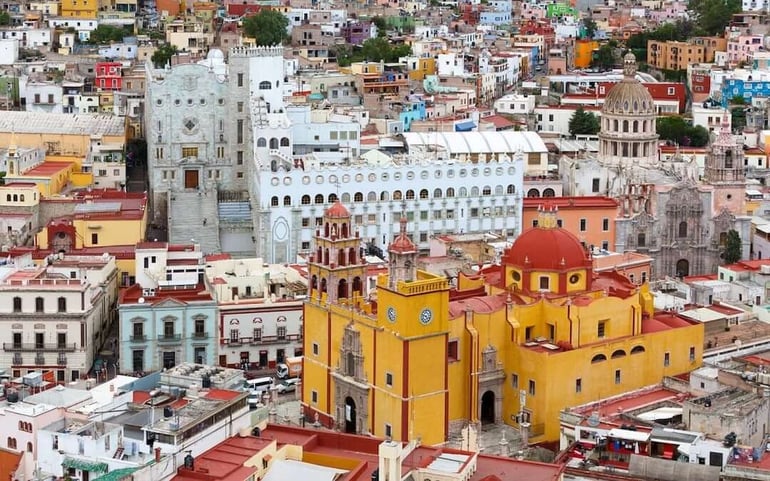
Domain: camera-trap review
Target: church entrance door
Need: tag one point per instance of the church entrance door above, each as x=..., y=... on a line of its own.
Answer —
x=682, y=268
x=190, y=179
x=350, y=415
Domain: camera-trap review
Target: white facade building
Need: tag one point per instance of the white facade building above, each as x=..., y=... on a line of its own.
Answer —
x=555, y=118
x=709, y=118
x=9, y=52
x=28, y=37
x=41, y=96
x=260, y=311
x=450, y=64
x=83, y=26
x=515, y=104
x=55, y=317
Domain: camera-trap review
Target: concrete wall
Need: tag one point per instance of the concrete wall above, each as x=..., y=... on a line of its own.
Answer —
x=663, y=470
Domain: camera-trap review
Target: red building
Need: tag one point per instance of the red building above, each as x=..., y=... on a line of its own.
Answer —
x=109, y=76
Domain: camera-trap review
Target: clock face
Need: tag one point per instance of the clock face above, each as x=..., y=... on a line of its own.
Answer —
x=426, y=316
x=391, y=314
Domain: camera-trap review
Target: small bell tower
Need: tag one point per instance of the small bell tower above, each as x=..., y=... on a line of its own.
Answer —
x=403, y=257
x=336, y=269
x=725, y=170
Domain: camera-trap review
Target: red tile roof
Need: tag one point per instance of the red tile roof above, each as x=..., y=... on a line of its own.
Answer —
x=225, y=461
x=47, y=169
x=132, y=294
x=9, y=464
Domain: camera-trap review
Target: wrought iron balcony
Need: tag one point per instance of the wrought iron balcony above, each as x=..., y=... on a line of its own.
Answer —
x=39, y=359
x=138, y=338
x=17, y=359
x=200, y=335
x=169, y=338
x=61, y=360
x=37, y=347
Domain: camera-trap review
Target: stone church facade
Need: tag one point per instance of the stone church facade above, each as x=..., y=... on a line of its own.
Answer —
x=666, y=209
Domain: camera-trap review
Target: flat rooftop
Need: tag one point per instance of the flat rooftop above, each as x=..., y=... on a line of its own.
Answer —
x=64, y=124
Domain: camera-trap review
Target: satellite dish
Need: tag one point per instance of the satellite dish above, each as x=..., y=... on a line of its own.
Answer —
x=140, y=300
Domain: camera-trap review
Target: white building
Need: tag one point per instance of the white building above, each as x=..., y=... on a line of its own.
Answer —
x=260, y=311
x=9, y=52
x=555, y=118
x=450, y=64
x=41, y=96
x=83, y=26
x=515, y=104
x=281, y=167
x=56, y=317
x=28, y=37
x=709, y=118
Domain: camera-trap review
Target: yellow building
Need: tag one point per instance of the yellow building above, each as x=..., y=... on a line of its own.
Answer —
x=420, y=67
x=518, y=343
x=672, y=55
x=79, y=8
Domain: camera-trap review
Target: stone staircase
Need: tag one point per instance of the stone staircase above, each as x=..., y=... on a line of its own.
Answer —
x=194, y=215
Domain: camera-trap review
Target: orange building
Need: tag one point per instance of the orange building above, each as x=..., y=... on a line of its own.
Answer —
x=591, y=219
x=584, y=51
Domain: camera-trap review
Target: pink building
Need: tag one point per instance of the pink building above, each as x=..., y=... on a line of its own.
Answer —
x=669, y=12
x=742, y=48
x=19, y=424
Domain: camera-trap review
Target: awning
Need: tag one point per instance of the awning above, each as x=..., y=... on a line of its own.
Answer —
x=117, y=474
x=466, y=126
x=84, y=465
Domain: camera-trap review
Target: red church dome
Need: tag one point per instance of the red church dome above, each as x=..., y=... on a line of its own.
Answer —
x=337, y=211
x=547, y=248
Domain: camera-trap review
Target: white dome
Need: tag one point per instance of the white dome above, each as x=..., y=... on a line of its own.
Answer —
x=215, y=53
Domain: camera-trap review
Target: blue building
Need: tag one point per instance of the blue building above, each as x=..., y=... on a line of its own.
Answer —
x=414, y=109
x=748, y=89
x=169, y=316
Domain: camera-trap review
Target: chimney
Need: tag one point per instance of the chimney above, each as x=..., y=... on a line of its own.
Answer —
x=157, y=455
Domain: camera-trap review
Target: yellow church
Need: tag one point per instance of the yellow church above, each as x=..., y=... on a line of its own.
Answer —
x=515, y=344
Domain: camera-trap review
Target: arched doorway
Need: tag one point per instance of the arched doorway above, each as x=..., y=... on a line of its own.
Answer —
x=488, y=408
x=350, y=415
x=682, y=268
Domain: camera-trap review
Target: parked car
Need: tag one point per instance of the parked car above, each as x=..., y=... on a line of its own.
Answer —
x=289, y=385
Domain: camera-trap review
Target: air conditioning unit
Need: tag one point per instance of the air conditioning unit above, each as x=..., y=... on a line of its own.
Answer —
x=148, y=292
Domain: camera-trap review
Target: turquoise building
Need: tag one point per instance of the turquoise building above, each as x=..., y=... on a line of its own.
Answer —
x=161, y=328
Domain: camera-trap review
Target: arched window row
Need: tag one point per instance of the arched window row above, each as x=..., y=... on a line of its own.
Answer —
x=410, y=194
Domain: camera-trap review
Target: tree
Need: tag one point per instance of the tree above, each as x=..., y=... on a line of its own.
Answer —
x=379, y=49
x=604, y=58
x=268, y=27
x=163, y=55
x=5, y=18
x=712, y=16
x=382, y=26
x=343, y=53
x=738, y=115
x=106, y=34
x=583, y=123
x=733, y=248
x=676, y=129
x=590, y=26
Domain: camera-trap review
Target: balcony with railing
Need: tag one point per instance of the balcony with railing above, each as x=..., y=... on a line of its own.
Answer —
x=40, y=359
x=61, y=359
x=17, y=359
x=170, y=338
x=38, y=347
x=200, y=335
x=138, y=338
